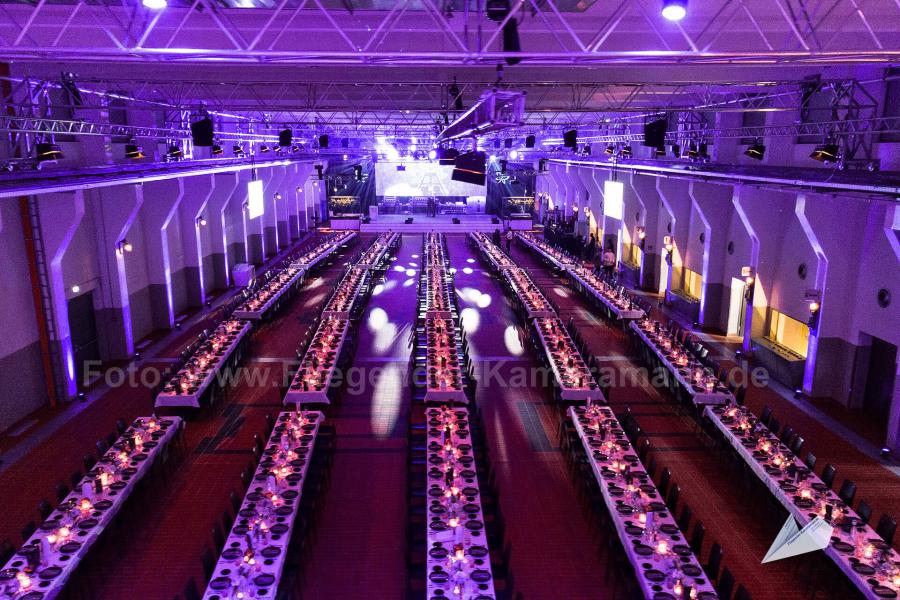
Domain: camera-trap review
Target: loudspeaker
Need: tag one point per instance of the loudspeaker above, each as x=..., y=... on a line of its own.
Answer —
x=345, y=142
x=319, y=169
x=202, y=132
x=323, y=141
x=655, y=133
x=511, y=41
x=570, y=139
x=285, y=138
x=447, y=156
x=542, y=165
x=529, y=141
x=470, y=168
x=508, y=142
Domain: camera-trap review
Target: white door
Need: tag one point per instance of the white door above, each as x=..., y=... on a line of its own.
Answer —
x=736, y=307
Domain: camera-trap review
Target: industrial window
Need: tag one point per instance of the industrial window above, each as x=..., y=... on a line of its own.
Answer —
x=693, y=283
x=788, y=332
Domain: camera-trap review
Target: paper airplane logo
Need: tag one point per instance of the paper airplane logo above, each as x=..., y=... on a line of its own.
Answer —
x=792, y=541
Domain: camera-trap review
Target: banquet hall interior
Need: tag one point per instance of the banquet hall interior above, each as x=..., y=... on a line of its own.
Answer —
x=450, y=299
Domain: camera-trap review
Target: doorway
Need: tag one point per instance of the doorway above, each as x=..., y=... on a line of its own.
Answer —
x=737, y=308
x=880, y=380
x=83, y=329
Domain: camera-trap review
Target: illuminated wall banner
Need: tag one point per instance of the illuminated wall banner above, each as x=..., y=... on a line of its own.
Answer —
x=614, y=199
x=255, y=205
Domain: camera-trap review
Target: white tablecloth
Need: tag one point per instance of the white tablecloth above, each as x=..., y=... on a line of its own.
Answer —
x=569, y=388
x=374, y=253
x=452, y=391
x=86, y=526
x=786, y=490
x=346, y=293
x=550, y=253
x=273, y=499
x=255, y=314
x=528, y=294
x=444, y=571
x=656, y=572
x=326, y=374
x=699, y=398
x=498, y=259
x=193, y=399
x=590, y=288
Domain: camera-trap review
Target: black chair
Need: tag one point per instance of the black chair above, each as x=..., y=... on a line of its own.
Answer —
x=774, y=425
x=740, y=395
x=218, y=538
x=715, y=562
x=797, y=444
x=209, y=563
x=786, y=433
x=697, y=537
x=7, y=550
x=742, y=594
x=664, y=480
x=810, y=461
x=235, y=501
x=828, y=474
x=864, y=511
x=190, y=590
x=121, y=426
x=75, y=478
x=44, y=509
x=684, y=519
x=28, y=531
x=102, y=447
x=766, y=416
x=88, y=461
x=672, y=497
x=847, y=492
x=725, y=585
x=62, y=490
x=886, y=528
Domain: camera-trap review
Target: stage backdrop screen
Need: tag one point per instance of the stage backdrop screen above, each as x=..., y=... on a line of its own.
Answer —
x=420, y=178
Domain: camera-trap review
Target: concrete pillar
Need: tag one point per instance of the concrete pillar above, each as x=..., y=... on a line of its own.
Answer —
x=115, y=211
x=195, y=236
x=162, y=199
x=61, y=215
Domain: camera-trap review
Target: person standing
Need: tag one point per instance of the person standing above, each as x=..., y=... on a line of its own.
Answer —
x=609, y=262
x=591, y=248
x=509, y=239
x=496, y=238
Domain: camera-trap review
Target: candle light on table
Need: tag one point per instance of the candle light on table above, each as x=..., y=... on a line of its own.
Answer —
x=24, y=580
x=662, y=547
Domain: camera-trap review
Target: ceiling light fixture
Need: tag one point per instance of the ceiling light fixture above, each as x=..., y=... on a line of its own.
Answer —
x=826, y=153
x=674, y=10
x=133, y=151
x=155, y=4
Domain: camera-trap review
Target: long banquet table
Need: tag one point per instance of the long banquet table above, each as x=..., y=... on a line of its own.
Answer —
x=253, y=559
x=219, y=351
x=529, y=296
x=346, y=293
x=871, y=565
x=459, y=564
x=322, y=251
x=314, y=378
x=443, y=361
x=266, y=297
x=663, y=562
x=498, y=259
x=373, y=255
x=558, y=258
x=590, y=284
x=572, y=375
x=42, y=567
x=705, y=389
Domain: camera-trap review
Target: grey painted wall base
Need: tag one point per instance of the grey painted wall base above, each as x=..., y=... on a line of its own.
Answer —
x=717, y=294
x=209, y=274
x=255, y=249
x=140, y=304
x=22, y=379
x=652, y=268
x=271, y=245
x=159, y=306
x=283, y=238
x=179, y=281
x=192, y=280
x=111, y=333
x=294, y=227
x=219, y=281
x=835, y=359
x=237, y=253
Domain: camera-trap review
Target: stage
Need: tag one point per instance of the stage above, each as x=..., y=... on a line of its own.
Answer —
x=439, y=223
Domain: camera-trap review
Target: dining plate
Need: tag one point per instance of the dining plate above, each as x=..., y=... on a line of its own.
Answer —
x=863, y=569
x=654, y=575
x=884, y=592
x=481, y=575
x=50, y=573
x=439, y=577
x=438, y=553
x=478, y=551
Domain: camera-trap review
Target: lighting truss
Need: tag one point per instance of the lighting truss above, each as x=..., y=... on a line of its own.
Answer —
x=420, y=33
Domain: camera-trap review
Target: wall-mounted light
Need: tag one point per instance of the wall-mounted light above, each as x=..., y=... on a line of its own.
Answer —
x=813, y=322
x=201, y=221
x=76, y=289
x=123, y=246
x=278, y=195
x=669, y=247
